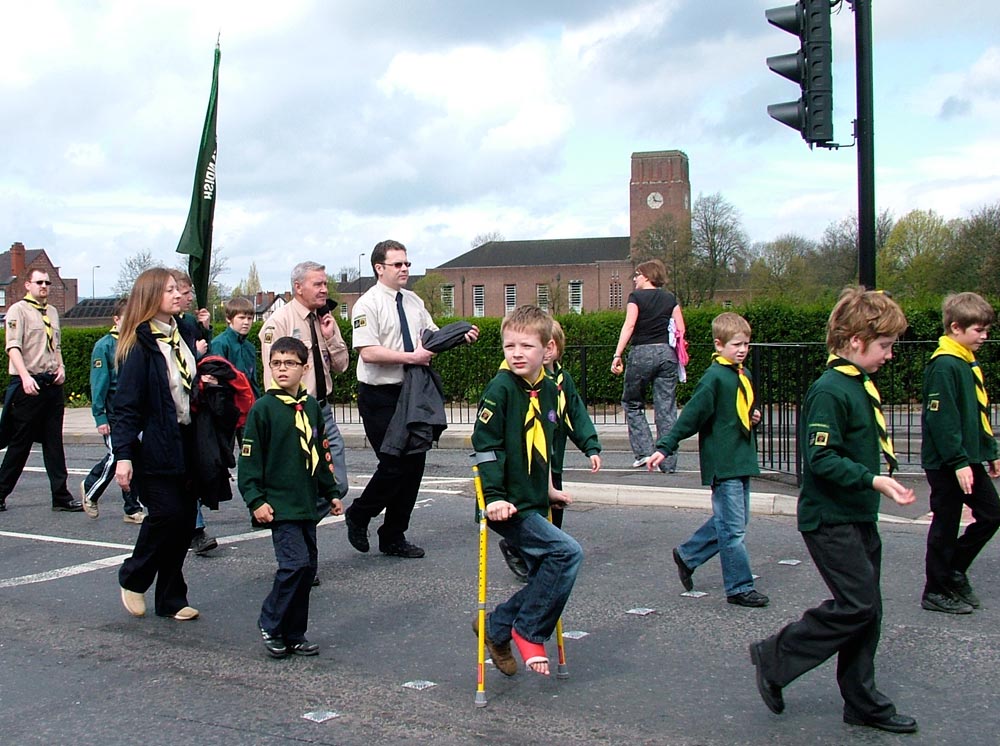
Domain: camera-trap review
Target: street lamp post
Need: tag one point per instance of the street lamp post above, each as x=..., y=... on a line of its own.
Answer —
x=360, y=257
x=93, y=286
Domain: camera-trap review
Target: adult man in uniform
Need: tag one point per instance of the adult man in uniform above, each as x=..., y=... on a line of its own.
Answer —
x=307, y=318
x=34, y=405
x=388, y=322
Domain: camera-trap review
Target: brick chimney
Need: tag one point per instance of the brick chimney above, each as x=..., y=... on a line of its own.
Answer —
x=258, y=299
x=17, y=260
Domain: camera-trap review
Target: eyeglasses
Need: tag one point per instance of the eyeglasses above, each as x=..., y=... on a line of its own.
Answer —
x=42, y=282
x=397, y=265
x=282, y=364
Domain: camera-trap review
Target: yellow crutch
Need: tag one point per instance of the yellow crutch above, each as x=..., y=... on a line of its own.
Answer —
x=481, y=611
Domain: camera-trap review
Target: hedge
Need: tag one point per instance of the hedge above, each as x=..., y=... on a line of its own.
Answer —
x=591, y=340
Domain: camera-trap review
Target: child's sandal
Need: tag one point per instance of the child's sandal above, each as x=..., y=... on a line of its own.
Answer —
x=531, y=652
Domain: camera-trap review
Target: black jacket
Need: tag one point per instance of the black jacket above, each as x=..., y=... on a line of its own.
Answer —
x=420, y=418
x=143, y=406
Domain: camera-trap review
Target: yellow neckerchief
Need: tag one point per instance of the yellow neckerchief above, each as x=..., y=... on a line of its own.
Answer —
x=113, y=332
x=559, y=377
x=43, y=308
x=534, y=433
x=302, y=424
x=848, y=368
x=744, y=391
x=174, y=340
x=948, y=346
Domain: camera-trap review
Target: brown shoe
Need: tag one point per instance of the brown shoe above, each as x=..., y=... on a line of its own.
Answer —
x=134, y=603
x=500, y=654
x=186, y=614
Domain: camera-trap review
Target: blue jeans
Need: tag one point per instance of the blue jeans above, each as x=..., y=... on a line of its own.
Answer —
x=553, y=558
x=654, y=364
x=285, y=612
x=723, y=534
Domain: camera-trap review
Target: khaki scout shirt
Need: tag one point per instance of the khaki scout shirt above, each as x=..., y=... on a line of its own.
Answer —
x=26, y=332
x=376, y=322
x=291, y=321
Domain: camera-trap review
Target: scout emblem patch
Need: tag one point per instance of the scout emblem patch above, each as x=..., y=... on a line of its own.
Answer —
x=819, y=439
x=360, y=322
x=485, y=415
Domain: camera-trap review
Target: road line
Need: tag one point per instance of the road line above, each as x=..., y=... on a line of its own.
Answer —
x=64, y=572
x=63, y=540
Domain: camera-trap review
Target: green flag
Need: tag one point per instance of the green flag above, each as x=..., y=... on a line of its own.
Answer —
x=196, y=241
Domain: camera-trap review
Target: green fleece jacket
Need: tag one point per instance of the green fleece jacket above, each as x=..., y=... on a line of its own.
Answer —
x=724, y=450
x=575, y=423
x=953, y=436
x=841, y=453
x=498, y=435
x=272, y=466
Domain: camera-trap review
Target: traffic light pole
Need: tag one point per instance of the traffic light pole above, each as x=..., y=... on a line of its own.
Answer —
x=865, y=131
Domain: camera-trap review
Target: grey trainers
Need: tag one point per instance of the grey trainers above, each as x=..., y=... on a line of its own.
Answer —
x=945, y=603
x=89, y=506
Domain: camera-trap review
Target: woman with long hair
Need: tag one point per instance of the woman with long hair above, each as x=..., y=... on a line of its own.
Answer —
x=651, y=360
x=153, y=442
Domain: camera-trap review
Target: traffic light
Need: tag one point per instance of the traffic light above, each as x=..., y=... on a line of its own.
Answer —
x=811, y=67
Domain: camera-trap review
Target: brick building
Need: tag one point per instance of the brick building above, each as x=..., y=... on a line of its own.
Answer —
x=14, y=267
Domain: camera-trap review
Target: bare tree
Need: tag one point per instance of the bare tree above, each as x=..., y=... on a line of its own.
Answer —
x=131, y=268
x=719, y=242
x=668, y=240
x=482, y=238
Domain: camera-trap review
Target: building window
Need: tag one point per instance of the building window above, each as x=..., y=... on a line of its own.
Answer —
x=343, y=310
x=448, y=299
x=576, y=296
x=478, y=301
x=542, y=296
x=509, y=298
x=727, y=304
x=615, y=294
x=3, y=297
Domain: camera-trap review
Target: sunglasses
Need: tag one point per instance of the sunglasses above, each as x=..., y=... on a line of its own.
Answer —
x=42, y=282
x=397, y=265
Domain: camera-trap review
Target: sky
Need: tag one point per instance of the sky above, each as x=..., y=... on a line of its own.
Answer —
x=345, y=122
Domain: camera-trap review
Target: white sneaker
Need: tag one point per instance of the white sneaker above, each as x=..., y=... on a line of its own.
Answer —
x=640, y=462
x=133, y=517
x=89, y=506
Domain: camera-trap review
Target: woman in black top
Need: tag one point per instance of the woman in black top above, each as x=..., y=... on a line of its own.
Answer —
x=153, y=442
x=651, y=360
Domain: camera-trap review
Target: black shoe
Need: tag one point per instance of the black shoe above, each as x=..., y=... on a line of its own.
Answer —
x=769, y=691
x=961, y=588
x=895, y=724
x=683, y=572
x=70, y=506
x=303, y=648
x=274, y=646
x=3, y=504
x=316, y=581
x=751, y=599
x=514, y=561
x=202, y=543
x=402, y=548
x=945, y=603
x=357, y=534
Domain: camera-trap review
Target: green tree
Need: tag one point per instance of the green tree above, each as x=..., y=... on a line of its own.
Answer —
x=782, y=269
x=428, y=288
x=910, y=262
x=973, y=261
x=669, y=240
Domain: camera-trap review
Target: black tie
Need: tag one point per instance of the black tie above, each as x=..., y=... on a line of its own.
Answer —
x=317, y=360
x=404, y=328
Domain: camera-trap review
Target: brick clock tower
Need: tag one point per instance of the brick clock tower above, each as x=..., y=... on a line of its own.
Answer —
x=660, y=185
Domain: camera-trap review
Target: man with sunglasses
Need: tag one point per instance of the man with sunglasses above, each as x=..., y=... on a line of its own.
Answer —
x=34, y=404
x=388, y=323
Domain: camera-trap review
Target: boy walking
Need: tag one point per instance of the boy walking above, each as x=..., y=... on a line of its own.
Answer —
x=103, y=383
x=284, y=468
x=957, y=439
x=512, y=438
x=842, y=435
x=232, y=344
x=722, y=413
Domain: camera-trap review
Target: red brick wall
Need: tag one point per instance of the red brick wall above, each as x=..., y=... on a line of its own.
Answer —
x=666, y=173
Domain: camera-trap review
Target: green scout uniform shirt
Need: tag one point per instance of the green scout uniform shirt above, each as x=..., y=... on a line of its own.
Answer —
x=272, y=466
x=841, y=453
x=103, y=378
x=241, y=353
x=575, y=423
x=724, y=450
x=953, y=436
x=499, y=429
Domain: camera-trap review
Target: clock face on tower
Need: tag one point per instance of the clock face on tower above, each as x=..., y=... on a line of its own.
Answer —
x=655, y=200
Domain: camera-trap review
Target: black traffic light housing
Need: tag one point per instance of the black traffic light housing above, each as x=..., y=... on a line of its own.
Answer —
x=811, y=67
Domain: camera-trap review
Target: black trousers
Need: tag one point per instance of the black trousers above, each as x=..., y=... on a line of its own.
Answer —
x=948, y=552
x=285, y=612
x=849, y=558
x=396, y=480
x=35, y=419
x=164, y=536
